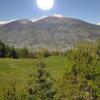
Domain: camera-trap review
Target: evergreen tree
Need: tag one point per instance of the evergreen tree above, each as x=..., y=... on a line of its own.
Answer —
x=24, y=52
x=13, y=53
x=41, y=85
x=2, y=50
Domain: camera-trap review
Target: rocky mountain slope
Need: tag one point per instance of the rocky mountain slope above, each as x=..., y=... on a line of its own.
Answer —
x=51, y=32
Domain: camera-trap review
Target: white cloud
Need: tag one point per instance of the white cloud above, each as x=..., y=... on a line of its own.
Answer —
x=57, y=15
x=97, y=23
x=37, y=19
x=5, y=22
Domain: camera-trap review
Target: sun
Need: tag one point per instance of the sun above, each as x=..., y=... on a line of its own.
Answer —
x=45, y=4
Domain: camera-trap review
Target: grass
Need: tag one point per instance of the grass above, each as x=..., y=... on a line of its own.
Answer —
x=20, y=69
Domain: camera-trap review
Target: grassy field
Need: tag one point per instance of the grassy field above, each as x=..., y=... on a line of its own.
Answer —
x=20, y=69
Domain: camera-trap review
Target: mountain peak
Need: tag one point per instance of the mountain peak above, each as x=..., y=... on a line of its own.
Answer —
x=24, y=21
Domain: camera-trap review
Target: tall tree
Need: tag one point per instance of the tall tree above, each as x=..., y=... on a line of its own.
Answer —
x=13, y=53
x=24, y=53
x=2, y=49
x=41, y=85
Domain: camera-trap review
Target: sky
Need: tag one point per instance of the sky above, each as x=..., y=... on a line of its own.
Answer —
x=87, y=10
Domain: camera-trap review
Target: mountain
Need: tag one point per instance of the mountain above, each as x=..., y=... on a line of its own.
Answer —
x=51, y=32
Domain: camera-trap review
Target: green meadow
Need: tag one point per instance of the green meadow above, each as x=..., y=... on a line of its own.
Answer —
x=20, y=69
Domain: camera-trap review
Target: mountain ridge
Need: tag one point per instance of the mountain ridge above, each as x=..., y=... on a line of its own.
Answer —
x=50, y=32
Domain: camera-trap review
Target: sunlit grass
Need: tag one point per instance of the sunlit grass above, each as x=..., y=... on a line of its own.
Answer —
x=19, y=69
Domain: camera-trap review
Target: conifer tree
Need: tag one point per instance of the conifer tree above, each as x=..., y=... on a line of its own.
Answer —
x=41, y=85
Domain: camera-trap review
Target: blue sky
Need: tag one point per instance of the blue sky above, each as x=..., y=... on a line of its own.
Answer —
x=88, y=10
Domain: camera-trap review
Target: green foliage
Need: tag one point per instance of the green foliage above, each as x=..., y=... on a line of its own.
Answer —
x=10, y=93
x=13, y=53
x=23, y=53
x=2, y=49
x=98, y=47
x=6, y=51
x=41, y=85
x=81, y=80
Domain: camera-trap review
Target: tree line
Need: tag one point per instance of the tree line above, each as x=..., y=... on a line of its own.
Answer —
x=16, y=53
x=12, y=52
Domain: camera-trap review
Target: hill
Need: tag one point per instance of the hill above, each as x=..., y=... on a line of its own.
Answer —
x=51, y=32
